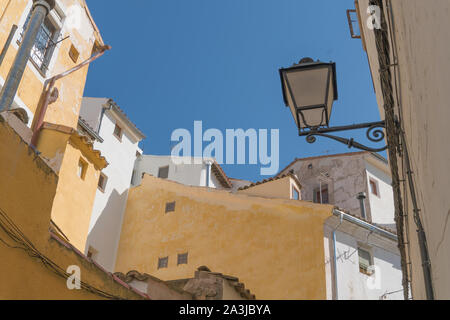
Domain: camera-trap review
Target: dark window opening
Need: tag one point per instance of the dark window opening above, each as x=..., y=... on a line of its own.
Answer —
x=182, y=258
x=163, y=263
x=163, y=172
x=321, y=196
x=170, y=207
x=102, y=180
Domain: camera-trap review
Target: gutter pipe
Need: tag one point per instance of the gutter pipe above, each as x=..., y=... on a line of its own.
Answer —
x=335, y=257
x=51, y=93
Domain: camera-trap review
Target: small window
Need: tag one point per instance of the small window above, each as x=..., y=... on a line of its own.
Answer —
x=374, y=187
x=163, y=172
x=74, y=54
x=365, y=261
x=170, y=207
x=321, y=196
x=295, y=194
x=182, y=258
x=163, y=263
x=102, y=180
x=118, y=132
x=82, y=168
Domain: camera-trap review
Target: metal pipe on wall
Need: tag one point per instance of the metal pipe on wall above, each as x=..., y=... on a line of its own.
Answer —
x=40, y=10
x=8, y=43
x=50, y=90
x=335, y=257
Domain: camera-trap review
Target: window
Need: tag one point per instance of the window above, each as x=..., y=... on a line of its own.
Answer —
x=182, y=258
x=170, y=207
x=321, y=196
x=374, y=187
x=295, y=194
x=365, y=261
x=102, y=180
x=74, y=54
x=82, y=168
x=45, y=44
x=163, y=263
x=118, y=132
x=163, y=172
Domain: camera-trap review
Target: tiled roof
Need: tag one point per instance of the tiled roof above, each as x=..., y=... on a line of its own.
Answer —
x=291, y=175
x=221, y=176
x=76, y=135
x=125, y=118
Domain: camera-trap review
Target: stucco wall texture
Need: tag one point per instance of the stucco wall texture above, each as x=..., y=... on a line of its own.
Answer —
x=27, y=190
x=65, y=111
x=422, y=72
x=274, y=246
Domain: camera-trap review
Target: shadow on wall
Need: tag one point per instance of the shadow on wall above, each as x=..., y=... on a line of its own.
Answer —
x=105, y=235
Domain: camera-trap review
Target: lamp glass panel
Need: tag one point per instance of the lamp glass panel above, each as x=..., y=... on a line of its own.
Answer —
x=309, y=86
x=291, y=103
x=313, y=117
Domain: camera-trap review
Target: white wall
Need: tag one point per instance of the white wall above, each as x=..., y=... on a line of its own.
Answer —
x=382, y=206
x=187, y=174
x=109, y=206
x=352, y=284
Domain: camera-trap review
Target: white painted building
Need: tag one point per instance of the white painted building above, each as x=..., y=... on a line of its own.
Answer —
x=362, y=260
x=365, y=238
x=118, y=140
x=188, y=171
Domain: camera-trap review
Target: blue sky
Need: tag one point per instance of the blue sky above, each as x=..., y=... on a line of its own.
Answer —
x=177, y=61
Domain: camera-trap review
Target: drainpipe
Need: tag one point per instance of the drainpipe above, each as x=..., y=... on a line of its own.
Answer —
x=8, y=43
x=362, y=197
x=51, y=93
x=335, y=257
x=40, y=10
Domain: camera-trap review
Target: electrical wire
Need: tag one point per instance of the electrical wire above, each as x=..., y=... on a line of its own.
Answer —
x=23, y=243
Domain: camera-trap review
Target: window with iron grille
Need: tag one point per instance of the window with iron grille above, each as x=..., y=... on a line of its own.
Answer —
x=163, y=262
x=182, y=258
x=170, y=206
x=43, y=48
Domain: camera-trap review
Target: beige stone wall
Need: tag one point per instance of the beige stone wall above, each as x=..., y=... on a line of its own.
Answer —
x=419, y=35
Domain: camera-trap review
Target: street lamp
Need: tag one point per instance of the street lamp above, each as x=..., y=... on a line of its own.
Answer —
x=309, y=90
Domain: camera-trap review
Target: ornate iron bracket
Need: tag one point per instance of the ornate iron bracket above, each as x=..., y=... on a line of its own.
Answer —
x=375, y=133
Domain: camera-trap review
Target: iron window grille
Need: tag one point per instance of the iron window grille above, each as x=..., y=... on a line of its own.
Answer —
x=43, y=48
x=182, y=258
x=163, y=263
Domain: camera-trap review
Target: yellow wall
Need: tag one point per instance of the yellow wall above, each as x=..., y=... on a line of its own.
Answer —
x=66, y=110
x=281, y=189
x=27, y=190
x=274, y=246
x=73, y=203
x=75, y=197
